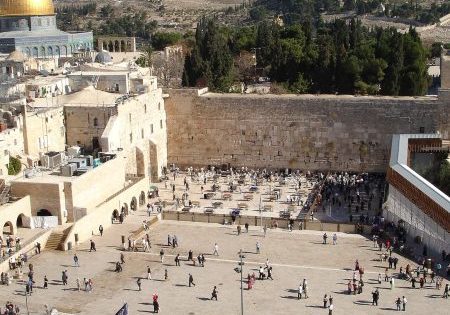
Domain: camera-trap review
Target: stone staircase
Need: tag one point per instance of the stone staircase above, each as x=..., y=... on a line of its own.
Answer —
x=56, y=239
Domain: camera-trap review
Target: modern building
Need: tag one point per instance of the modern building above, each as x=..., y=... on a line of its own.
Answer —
x=29, y=26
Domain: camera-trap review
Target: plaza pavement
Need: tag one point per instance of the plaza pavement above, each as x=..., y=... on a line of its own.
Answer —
x=294, y=256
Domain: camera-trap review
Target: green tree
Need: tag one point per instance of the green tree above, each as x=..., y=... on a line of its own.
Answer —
x=160, y=40
x=14, y=166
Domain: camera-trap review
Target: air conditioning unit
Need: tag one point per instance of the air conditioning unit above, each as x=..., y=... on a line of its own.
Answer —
x=68, y=170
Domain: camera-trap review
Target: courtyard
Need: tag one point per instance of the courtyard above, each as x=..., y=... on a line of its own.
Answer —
x=294, y=256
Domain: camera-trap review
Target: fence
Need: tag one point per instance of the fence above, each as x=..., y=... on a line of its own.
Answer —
x=258, y=221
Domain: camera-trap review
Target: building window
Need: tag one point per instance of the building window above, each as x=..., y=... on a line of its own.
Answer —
x=145, y=108
x=95, y=122
x=151, y=128
x=129, y=117
x=5, y=152
x=161, y=124
x=142, y=133
x=15, y=141
x=159, y=106
x=422, y=129
x=62, y=131
x=131, y=137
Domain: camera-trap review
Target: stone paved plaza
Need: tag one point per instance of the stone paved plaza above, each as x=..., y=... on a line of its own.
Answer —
x=294, y=256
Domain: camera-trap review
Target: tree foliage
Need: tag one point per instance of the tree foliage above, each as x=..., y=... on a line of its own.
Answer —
x=210, y=62
x=14, y=166
x=338, y=57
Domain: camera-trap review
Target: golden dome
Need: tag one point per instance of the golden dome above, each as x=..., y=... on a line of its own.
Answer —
x=26, y=7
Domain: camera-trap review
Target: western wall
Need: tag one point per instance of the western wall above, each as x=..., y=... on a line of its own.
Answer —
x=324, y=132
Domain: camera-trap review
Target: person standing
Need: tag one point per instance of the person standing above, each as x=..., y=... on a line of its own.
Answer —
x=246, y=227
x=334, y=239
x=325, y=301
x=161, y=255
x=258, y=248
x=330, y=309
x=214, y=293
x=64, y=277
x=191, y=280
x=155, y=303
x=325, y=236
x=398, y=303
x=265, y=230
x=75, y=260
x=139, y=283
x=216, y=249
x=300, y=291
x=177, y=260
x=45, y=282
x=149, y=273
x=166, y=275
x=78, y=285
x=100, y=229
x=404, y=301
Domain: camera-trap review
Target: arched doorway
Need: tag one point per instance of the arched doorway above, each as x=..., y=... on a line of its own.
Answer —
x=20, y=220
x=133, y=204
x=44, y=213
x=115, y=214
x=142, y=198
x=116, y=46
x=123, y=47
x=8, y=228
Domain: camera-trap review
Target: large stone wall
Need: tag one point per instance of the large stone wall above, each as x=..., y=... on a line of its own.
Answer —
x=307, y=132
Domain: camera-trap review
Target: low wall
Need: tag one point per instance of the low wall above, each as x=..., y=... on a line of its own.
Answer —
x=101, y=215
x=256, y=221
x=28, y=248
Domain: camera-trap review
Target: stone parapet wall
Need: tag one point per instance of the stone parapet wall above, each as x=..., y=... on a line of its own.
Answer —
x=306, y=132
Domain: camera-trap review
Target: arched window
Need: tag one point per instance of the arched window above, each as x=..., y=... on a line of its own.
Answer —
x=95, y=122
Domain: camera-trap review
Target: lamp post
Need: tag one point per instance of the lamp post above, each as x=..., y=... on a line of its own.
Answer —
x=239, y=270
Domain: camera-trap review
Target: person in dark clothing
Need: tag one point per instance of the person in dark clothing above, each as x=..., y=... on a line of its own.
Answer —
x=191, y=280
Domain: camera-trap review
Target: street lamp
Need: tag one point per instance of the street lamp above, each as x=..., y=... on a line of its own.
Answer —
x=239, y=270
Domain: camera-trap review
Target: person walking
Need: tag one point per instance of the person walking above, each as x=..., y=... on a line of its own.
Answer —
x=92, y=247
x=177, y=260
x=404, y=301
x=161, y=255
x=446, y=289
x=258, y=248
x=325, y=301
x=265, y=230
x=149, y=273
x=138, y=281
x=191, y=280
x=334, y=239
x=78, y=284
x=216, y=250
x=325, y=236
x=45, y=282
x=100, y=229
x=246, y=227
x=214, y=293
x=166, y=275
x=122, y=258
x=75, y=260
x=155, y=302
